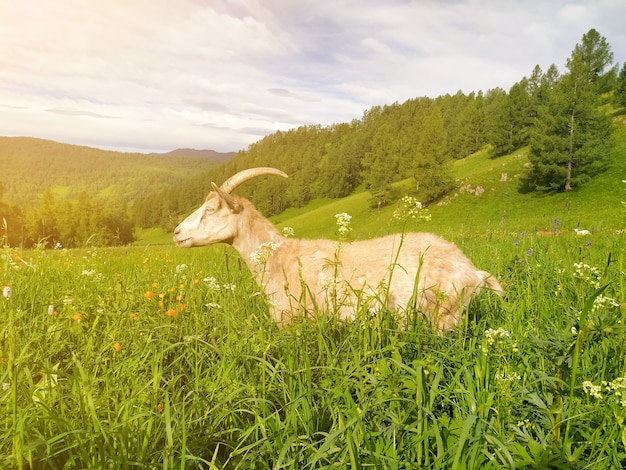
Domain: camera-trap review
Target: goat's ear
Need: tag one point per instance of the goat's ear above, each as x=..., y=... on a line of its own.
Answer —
x=227, y=198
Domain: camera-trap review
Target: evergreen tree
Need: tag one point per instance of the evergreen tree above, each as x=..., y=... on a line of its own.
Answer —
x=380, y=166
x=572, y=136
x=432, y=170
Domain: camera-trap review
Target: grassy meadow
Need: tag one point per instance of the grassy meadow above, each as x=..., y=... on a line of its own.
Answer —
x=156, y=357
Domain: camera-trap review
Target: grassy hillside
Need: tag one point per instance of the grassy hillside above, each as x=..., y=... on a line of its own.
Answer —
x=497, y=207
x=30, y=165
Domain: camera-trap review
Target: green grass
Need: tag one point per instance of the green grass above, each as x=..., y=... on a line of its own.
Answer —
x=156, y=357
x=217, y=385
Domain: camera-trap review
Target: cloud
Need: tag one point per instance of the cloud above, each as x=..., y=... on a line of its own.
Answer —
x=79, y=112
x=159, y=75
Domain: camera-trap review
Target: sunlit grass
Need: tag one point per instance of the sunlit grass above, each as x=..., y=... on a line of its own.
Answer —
x=158, y=357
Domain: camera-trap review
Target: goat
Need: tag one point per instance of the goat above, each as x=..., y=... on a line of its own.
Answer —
x=414, y=270
x=581, y=233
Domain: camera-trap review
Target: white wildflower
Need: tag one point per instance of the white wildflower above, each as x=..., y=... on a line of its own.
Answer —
x=51, y=309
x=592, y=390
x=495, y=335
x=6, y=292
x=212, y=283
x=589, y=274
x=410, y=208
x=288, y=232
x=263, y=252
x=343, y=224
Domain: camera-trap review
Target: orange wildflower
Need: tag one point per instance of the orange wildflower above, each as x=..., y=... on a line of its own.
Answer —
x=77, y=317
x=159, y=407
x=149, y=294
x=134, y=316
x=117, y=347
x=181, y=307
x=171, y=312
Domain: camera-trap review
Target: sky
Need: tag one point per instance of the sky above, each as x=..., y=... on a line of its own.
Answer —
x=156, y=75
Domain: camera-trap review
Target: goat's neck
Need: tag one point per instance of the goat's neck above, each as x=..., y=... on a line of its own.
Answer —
x=254, y=230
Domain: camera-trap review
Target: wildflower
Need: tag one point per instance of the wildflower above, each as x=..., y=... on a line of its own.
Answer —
x=6, y=292
x=592, y=390
x=134, y=316
x=494, y=335
x=155, y=284
x=410, y=208
x=50, y=309
x=263, y=252
x=117, y=347
x=589, y=274
x=343, y=222
x=77, y=317
x=180, y=268
x=5, y=386
x=212, y=283
x=159, y=407
x=496, y=339
x=288, y=232
x=171, y=312
x=149, y=294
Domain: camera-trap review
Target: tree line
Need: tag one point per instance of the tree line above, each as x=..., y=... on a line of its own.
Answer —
x=67, y=223
x=563, y=117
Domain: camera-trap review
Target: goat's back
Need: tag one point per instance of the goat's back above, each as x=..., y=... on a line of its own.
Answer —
x=419, y=268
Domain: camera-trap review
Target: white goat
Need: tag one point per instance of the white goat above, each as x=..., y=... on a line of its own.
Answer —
x=415, y=270
x=581, y=233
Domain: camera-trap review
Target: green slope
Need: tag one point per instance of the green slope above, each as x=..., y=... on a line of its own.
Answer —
x=499, y=207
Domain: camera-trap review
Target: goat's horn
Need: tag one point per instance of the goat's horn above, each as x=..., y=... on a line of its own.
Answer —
x=231, y=183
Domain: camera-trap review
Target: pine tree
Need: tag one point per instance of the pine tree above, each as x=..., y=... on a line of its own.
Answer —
x=431, y=167
x=572, y=135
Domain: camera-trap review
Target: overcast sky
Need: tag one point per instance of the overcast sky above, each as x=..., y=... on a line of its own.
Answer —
x=155, y=75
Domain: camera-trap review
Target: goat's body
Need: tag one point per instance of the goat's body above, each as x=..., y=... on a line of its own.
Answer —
x=418, y=270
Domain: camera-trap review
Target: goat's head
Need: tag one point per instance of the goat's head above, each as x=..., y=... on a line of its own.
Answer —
x=216, y=220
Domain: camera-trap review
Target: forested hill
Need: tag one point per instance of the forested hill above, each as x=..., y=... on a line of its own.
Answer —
x=210, y=154
x=30, y=166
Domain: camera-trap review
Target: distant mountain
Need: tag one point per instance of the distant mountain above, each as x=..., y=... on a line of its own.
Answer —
x=29, y=166
x=219, y=157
